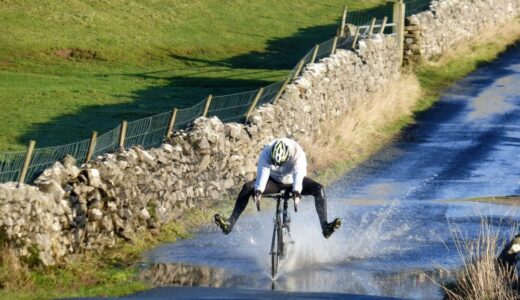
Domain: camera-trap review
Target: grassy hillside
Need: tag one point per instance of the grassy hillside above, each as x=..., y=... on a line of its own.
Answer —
x=68, y=69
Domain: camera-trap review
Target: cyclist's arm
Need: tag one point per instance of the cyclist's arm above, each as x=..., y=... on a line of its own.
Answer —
x=299, y=170
x=263, y=170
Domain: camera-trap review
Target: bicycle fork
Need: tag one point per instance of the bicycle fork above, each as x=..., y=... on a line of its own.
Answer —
x=286, y=220
x=277, y=239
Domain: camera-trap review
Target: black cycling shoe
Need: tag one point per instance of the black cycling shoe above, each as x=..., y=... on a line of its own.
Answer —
x=223, y=224
x=331, y=227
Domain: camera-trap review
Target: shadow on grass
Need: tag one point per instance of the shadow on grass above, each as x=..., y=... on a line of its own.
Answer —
x=181, y=92
x=220, y=77
x=199, y=78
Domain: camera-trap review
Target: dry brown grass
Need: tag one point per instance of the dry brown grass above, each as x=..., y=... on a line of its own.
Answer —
x=365, y=128
x=13, y=273
x=482, y=277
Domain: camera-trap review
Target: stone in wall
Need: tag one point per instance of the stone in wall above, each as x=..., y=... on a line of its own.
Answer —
x=450, y=22
x=412, y=40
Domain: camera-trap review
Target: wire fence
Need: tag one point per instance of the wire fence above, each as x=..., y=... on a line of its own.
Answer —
x=44, y=158
x=363, y=17
x=324, y=49
x=148, y=132
x=152, y=131
x=270, y=93
x=232, y=108
x=10, y=165
x=186, y=116
x=416, y=6
x=107, y=142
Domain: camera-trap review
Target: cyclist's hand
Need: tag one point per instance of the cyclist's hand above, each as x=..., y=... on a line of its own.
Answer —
x=256, y=196
x=297, y=197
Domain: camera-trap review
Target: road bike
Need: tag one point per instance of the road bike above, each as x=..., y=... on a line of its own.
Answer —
x=281, y=231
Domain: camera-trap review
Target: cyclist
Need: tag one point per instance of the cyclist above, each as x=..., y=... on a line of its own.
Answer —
x=282, y=165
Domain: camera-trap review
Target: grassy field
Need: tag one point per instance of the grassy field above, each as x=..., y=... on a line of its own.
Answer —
x=66, y=70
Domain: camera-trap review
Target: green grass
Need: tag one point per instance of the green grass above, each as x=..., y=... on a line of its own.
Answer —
x=138, y=58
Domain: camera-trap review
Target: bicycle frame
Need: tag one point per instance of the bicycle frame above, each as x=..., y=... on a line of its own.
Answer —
x=281, y=231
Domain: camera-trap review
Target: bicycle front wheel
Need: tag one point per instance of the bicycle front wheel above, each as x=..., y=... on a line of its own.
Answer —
x=274, y=264
x=274, y=251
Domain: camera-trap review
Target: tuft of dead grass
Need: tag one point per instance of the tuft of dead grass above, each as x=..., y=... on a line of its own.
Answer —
x=13, y=273
x=369, y=125
x=482, y=277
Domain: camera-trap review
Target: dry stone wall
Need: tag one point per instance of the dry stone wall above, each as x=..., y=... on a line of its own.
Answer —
x=116, y=196
x=450, y=22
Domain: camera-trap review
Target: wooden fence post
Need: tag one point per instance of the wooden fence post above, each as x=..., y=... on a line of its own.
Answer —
x=298, y=69
x=371, y=29
x=343, y=22
x=27, y=162
x=122, y=134
x=398, y=19
x=91, y=146
x=315, y=53
x=282, y=89
x=383, y=25
x=356, y=37
x=334, y=45
x=206, y=108
x=171, y=124
x=255, y=101
x=395, y=14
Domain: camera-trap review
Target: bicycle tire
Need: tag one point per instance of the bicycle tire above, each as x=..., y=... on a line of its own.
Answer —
x=281, y=243
x=274, y=264
x=274, y=249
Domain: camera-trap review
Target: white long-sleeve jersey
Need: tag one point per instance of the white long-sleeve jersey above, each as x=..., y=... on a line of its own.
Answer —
x=291, y=172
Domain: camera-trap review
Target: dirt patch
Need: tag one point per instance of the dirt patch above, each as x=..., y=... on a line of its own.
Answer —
x=506, y=200
x=78, y=54
x=513, y=200
x=5, y=64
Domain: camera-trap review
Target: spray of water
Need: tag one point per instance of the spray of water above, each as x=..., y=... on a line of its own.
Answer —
x=370, y=234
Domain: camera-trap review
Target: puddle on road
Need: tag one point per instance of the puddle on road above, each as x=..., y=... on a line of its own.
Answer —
x=494, y=100
x=183, y=275
x=389, y=248
x=410, y=282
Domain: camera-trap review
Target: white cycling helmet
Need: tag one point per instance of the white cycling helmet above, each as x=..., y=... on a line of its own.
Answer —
x=279, y=153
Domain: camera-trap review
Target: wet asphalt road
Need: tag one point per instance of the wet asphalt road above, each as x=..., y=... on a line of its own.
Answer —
x=398, y=227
